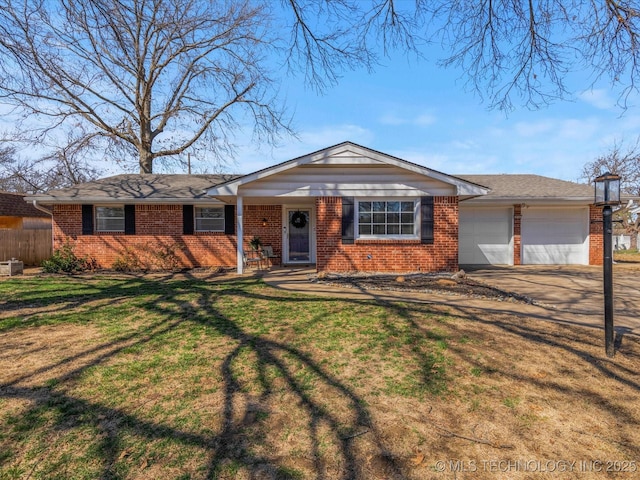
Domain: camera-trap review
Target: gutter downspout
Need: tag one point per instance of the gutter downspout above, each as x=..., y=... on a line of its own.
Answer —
x=41, y=208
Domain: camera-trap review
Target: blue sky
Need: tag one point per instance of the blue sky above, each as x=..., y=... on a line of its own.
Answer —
x=421, y=112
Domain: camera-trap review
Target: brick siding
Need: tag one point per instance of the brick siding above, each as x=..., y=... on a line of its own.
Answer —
x=158, y=228
x=596, y=239
x=386, y=255
x=517, y=234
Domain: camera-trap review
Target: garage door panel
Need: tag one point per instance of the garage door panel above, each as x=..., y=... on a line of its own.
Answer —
x=555, y=236
x=485, y=236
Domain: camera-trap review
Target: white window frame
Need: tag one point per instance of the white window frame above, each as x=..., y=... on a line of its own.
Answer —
x=416, y=219
x=97, y=218
x=197, y=208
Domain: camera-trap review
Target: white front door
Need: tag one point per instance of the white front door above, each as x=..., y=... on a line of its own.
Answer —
x=298, y=239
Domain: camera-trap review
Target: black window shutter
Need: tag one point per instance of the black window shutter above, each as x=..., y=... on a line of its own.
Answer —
x=426, y=219
x=130, y=219
x=348, y=218
x=187, y=219
x=230, y=219
x=87, y=219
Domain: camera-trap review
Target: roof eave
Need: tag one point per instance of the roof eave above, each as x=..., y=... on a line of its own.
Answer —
x=121, y=201
x=531, y=200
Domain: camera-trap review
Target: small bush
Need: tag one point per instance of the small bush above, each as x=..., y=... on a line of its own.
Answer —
x=128, y=261
x=64, y=260
x=149, y=257
x=165, y=256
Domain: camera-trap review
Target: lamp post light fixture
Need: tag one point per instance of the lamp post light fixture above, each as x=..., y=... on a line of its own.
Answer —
x=607, y=195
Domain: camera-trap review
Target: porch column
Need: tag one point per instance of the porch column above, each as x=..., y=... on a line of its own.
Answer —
x=239, y=233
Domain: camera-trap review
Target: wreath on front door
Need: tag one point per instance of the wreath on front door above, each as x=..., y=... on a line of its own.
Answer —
x=298, y=219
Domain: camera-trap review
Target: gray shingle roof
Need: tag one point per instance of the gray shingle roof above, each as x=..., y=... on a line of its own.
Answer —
x=13, y=205
x=137, y=187
x=155, y=188
x=527, y=186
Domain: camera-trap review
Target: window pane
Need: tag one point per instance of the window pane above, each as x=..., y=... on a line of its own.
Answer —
x=209, y=219
x=209, y=224
x=110, y=219
x=406, y=217
x=379, y=206
x=210, y=212
x=364, y=218
x=407, y=206
x=386, y=218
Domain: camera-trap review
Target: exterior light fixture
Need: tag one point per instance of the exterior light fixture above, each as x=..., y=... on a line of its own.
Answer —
x=607, y=189
x=264, y=222
x=607, y=194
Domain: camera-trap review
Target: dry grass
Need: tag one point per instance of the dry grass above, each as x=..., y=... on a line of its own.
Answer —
x=152, y=377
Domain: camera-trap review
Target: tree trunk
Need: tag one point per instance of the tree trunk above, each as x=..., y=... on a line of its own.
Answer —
x=146, y=160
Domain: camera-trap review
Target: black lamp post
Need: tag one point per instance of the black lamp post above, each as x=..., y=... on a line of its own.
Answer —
x=608, y=194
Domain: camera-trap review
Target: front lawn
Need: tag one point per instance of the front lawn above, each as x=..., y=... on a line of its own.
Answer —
x=183, y=377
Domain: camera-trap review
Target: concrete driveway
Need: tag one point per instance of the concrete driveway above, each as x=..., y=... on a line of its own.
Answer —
x=564, y=294
x=576, y=292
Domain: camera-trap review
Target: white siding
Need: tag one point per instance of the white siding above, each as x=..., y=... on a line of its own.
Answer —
x=346, y=180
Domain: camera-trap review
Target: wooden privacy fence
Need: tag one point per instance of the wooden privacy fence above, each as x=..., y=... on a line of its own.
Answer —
x=29, y=246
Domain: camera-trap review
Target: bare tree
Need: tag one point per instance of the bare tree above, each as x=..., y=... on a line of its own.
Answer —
x=158, y=77
x=154, y=76
x=621, y=159
x=63, y=167
x=511, y=52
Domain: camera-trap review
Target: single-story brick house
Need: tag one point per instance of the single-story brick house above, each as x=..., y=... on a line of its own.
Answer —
x=343, y=208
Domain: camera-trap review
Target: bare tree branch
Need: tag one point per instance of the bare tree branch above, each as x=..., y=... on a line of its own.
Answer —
x=156, y=74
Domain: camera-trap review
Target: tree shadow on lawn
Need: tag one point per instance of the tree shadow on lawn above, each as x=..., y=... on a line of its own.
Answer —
x=333, y=434
x=240, y=411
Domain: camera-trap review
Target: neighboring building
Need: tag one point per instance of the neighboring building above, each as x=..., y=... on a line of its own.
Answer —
x=16, y=214
x=25, y=231
x=344, y=208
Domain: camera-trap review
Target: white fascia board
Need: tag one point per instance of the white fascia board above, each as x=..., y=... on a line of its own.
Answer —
x=559, y=201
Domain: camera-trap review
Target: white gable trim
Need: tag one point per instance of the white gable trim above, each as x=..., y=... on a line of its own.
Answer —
x=344, y=154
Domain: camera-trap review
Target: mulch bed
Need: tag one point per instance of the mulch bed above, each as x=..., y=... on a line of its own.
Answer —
x=419, y=282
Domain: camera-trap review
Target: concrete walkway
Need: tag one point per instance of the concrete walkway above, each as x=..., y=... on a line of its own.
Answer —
x=570, y=295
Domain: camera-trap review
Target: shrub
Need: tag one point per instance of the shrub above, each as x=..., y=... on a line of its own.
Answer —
x=64, y=260
x=128, y=261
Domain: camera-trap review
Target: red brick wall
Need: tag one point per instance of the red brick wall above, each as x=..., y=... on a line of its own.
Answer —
x=596, y=247
x=386, y=255
x=517, y=234
x=271, y=233
x=158, y=228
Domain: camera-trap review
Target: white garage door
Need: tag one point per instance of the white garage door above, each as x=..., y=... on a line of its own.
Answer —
x=555, y=236
x=485, y=236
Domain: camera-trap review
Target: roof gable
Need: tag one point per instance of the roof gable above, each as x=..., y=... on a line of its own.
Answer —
x=344, y=155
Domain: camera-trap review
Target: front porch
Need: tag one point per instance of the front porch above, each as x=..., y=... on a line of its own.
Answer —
x=286, y=234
